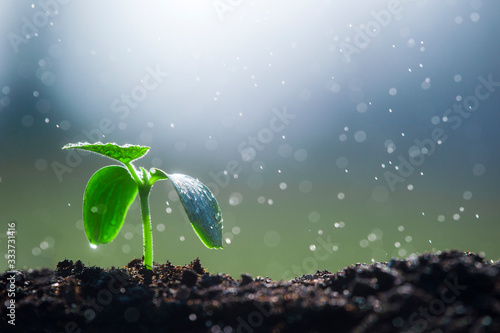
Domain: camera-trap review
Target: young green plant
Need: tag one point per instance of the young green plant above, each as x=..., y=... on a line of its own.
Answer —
x=112, y=189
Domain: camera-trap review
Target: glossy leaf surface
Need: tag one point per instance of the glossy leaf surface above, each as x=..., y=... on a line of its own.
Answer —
x=201, y=207
x=125, y=154
x=108, y=195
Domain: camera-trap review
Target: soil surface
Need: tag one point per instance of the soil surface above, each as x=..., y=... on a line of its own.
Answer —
x=436, y=292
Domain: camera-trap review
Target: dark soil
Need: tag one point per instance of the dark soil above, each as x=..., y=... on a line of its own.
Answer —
x=441, y=292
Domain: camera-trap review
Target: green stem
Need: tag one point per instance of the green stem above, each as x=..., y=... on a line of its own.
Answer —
x=147, y=228
x=134, y=174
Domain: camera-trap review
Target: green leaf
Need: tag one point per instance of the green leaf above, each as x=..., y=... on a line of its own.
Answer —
x=125, y=154
x=108, y=195
x=156, y=174
x=201, y=207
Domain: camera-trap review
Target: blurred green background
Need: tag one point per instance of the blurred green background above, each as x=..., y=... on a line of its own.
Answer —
x=311, y=108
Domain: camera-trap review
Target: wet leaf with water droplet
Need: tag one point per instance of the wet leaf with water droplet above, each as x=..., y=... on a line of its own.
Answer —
x=125, y=154
x=108, y=195
x=201, y=207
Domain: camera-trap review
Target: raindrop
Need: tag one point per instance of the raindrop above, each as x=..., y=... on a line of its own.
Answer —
x=93, y=246
x=126, y=248
x=314, y=216
x=426, y=84
x=410, y=187
x=342, y=162
x=467, y=195
x=160, y=227
x=459, y=20
x=27, y=121
x=300, y=155
x=261, y=199
x=79, y=224
x=236, y=230
x=390, y=146
x=478, y=169
x=441, y=218
x=363, y=243
x=168, y=210
x=182, y=238
x=283, y=186
x=41, y=164
x=48, y=78
x=362, y=107
x=270, y=202
x=360, y=136
x=272, y=239
x=393, y=91
x=341, y=196
x=456, y=217
x=312, y=247
x=65, y=125
x=457, y=78
x=435, y=120
x=235, y=199
x=36, y=251
x=305, y=186
x=401, y=228
x=408, y=239
x=342, y=137
x=474, y=17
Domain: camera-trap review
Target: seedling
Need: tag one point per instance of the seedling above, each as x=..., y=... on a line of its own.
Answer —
x=112, y=189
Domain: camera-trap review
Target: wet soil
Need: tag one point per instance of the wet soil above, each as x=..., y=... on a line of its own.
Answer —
x=435, y=292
